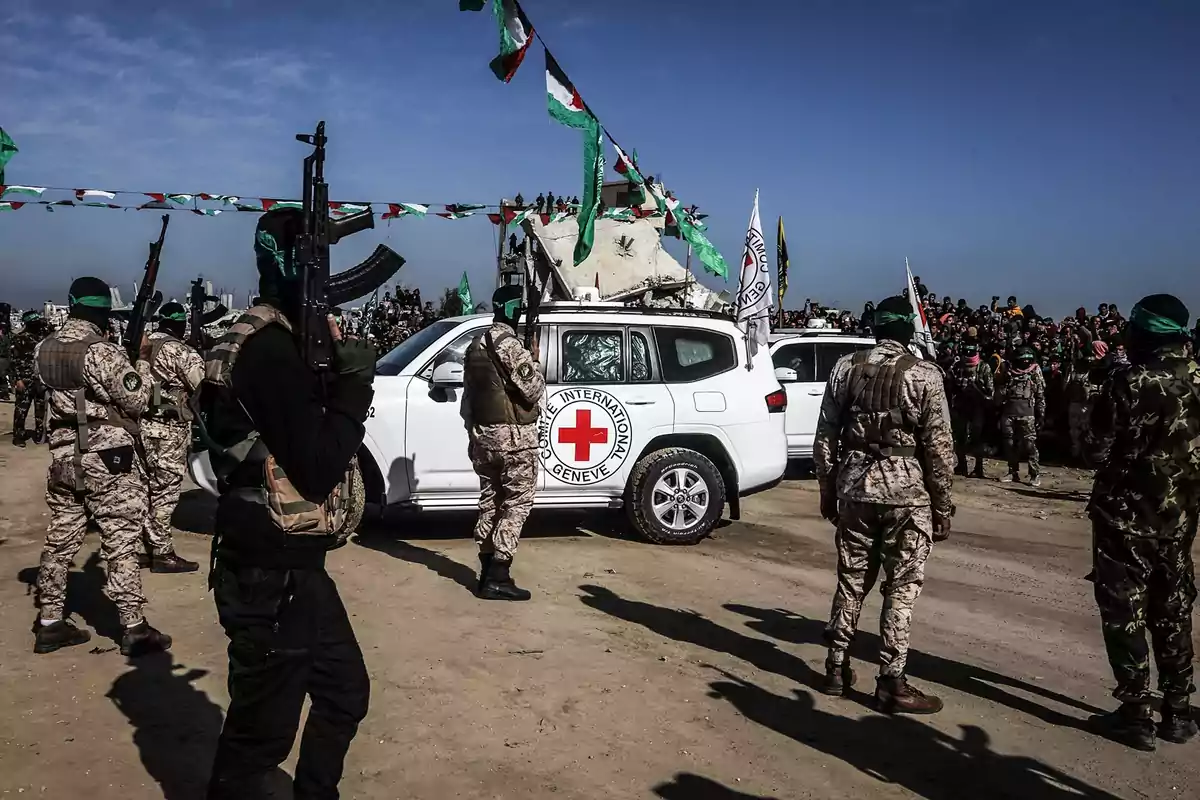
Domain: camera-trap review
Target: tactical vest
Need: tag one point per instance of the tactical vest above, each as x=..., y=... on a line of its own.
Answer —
x=60, y=365
x=491, y=393
x=1018, y=394
x=875, y=405
x=288, y=509
x=163, y=407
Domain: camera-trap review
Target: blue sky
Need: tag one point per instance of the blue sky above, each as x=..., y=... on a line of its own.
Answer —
x=1051, y=150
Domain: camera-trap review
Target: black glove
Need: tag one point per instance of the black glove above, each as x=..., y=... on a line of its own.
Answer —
x=941, y=525
x=354, y=359
x=829, y=505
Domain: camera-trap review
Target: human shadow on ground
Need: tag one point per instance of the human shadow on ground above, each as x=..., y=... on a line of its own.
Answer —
x=196, y=512
x=966, y=678
x=905, y=752
x=686, y=786
x=1050, y=494
x=85, y=597
x=693, y=628
x=443, y=565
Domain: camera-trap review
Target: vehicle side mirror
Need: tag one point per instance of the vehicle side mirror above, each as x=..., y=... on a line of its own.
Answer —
x=449, y=373
x=786, y=375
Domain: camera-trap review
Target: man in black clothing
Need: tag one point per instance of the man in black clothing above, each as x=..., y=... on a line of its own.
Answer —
x=289, y=635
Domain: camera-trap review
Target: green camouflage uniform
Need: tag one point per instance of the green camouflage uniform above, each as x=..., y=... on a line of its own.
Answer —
x=1022, y=397
x=31, y=393
x=973, y=388
x=1145, y=432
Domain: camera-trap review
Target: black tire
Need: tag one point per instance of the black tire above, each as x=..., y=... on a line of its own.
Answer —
x=640, y=499
x=357, y=501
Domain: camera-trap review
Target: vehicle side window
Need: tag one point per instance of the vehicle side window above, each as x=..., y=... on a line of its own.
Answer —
x=693, y=354
x=639, y=354
x=456, y=352
x=593, y=356
x=799, y=357
x=828, y=354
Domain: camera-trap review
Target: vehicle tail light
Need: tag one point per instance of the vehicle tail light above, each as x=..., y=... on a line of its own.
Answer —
x=777, y=402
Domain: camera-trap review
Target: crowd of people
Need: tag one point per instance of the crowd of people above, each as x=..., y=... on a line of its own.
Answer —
x=390, y=321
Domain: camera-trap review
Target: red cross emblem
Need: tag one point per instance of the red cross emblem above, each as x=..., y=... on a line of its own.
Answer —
x=583, y=435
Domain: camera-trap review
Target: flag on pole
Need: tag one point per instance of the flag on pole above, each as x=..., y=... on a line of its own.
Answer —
x=516, y=34
x=754, y=292
x=8, y=148
x=923, y=338
x=464, y=295
x=471, y=5
x=593, y=182
x=781, y=263
x=562, y=98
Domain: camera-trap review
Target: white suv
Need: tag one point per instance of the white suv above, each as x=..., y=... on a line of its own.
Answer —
x=652, y=410
x=803, y=361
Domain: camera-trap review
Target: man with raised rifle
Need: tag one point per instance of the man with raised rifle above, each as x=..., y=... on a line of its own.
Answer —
x=282, y=409
x=96, y=476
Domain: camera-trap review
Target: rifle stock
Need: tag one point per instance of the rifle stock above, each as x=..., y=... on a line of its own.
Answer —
x=148, y=299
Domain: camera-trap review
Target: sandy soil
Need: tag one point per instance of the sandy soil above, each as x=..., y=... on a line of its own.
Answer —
x=636, y=671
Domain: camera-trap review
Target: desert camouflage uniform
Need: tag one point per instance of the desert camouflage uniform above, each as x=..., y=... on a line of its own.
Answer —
x=1145, y=434
x=1022, y=397
x=21, y=354
x=177, y=371
x=113, y=496
x=886, y=501
x=973, y=387
x=506, y=456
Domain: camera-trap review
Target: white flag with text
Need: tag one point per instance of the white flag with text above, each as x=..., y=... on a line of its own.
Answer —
x=755, y=298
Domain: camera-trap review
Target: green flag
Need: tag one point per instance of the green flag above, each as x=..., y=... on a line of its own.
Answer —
x=593, y=182
x=7, y=149
x=464, y=295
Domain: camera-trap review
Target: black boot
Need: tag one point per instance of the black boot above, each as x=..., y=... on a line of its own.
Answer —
x=961, y=469
x=1177, y=725
x=1131, y=725
x=171, y=563
x=18, y=439
x=499, y=584
x=978, y=473
x=485, y=566
x=142, y=639
x=39, y=436
x=838, y=679
x=896, y=696
x=57, y=636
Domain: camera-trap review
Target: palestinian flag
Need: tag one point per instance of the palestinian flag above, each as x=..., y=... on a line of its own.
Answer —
x=396, y=210
x=514, y=217
x=457, y=214
x=85, y=194
x=627, y=169
x=8, y=148
x=30, y=191
x=10, y=206
x=557, y=216
x=494, y=218
x=453, y=207
x=516, y=34
x=267, y=202
x=563, y=100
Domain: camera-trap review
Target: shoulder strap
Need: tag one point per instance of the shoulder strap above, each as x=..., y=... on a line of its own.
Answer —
x=490, y=346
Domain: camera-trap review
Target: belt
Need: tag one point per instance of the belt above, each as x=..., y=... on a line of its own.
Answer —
x=883, y=451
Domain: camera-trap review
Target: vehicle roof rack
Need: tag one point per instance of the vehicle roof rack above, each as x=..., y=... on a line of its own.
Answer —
x=572, y=306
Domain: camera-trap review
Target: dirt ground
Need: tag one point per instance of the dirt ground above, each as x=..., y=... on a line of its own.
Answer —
x=635, y=672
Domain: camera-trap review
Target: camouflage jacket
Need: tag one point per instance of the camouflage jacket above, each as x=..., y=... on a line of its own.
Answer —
x=920, y=480
x=527, y=376
x=177, y=368
x=21, y=350
x=1021, y=394
x=1145, y=435
x=110, y=379
x=972, y=386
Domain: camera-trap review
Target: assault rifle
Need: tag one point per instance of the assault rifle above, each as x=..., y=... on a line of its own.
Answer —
x=197, y=297
x=148, y=299
x=321, y=292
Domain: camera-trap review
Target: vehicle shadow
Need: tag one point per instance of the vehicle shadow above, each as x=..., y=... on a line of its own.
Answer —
x=686, y=786
x=693, y=628
x=966, y=678
x=905, y=752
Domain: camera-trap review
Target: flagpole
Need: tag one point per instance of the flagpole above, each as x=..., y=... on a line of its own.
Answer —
x=687, y=278
x=500, y=248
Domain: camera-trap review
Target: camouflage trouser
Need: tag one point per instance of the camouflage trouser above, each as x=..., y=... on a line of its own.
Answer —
x=1077, y=422
x=116, y=503
x=166, y=461
x=968, y=435
x=507, y=481
x=1020, y=443
x=33, y=394
x=1142, y=582
x=869, y=537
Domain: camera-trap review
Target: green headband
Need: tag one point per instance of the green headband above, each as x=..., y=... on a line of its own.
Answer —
x=1148, y=321
x=176, y=316
x=91, y=301
x=888, y=317
x=511, y=307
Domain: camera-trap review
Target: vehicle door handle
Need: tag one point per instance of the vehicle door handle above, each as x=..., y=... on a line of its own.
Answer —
x=640, y=402
x=816, y=392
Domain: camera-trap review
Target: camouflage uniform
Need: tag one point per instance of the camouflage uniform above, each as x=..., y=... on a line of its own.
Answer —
x=177, y=371
x=1022, y=397
x=505, y=456
x=887, y=494
x=109, y=489
x=1145, y=433
x=973, y=388
x=21, y=355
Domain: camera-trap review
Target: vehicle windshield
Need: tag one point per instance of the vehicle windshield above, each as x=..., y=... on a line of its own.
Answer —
x=413, y=346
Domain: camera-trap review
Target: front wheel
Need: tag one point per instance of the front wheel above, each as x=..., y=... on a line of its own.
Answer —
x=675, y=496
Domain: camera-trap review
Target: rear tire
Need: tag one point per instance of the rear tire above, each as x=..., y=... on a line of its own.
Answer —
x=675, y=496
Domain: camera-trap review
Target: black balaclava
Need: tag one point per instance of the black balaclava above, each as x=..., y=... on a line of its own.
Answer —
x=894, y=320
x=90, y=300
x=172, y=319
x=1156, y=321
x=279, y=277
x=506, y=301
x=34, y=323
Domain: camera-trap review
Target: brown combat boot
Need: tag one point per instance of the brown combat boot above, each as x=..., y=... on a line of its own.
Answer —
x=171, y=563
x=838, y=679
x=896, y=696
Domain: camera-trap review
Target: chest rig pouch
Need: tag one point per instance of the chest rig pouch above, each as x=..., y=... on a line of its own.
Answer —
x=874, y=410
x=163, y=405
x=60, y=365
x=290, y=511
